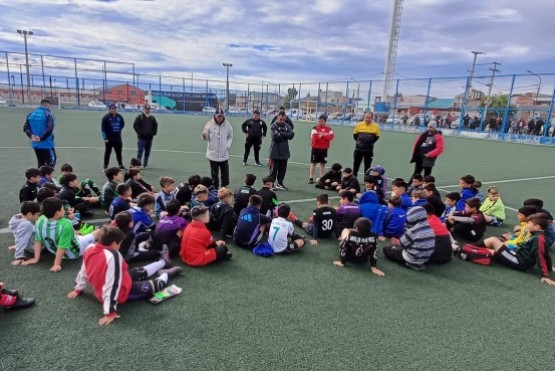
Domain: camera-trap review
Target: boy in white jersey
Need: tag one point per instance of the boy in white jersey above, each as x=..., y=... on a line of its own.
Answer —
x=282, y=237
x=55, y=233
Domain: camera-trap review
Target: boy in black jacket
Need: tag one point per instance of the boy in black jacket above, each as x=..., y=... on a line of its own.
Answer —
x=222, y=215
x=349, y=182
x=243, y=193
x=29, y=190
x=331, y=179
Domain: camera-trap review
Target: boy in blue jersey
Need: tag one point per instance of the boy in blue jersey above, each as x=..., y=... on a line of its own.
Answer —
x=141, y=213
x=111, y=126
x=166, y=194
x=395, y=219
x=122, y=202
x=251, y=224
x=467, y=191
x=399, y=188
x=39, y=127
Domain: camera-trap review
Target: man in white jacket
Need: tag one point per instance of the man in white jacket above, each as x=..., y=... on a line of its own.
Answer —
x=219, y=134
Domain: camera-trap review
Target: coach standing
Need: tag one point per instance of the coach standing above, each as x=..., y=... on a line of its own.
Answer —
x=39, y=127
x=282, y=133
x=427, y=148
x=366, y=133
x=146, y=127
x=219, y=134
x=255, y=130
x=112, y=124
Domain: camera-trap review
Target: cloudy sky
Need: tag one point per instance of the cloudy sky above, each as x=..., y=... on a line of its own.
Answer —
x=288, y=40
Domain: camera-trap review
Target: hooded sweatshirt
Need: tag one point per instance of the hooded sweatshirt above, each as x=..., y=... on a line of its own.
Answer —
x=419, y=239
x=23, y=232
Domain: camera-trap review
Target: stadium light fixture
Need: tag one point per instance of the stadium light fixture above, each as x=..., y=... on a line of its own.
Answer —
x=227, y=66
x=25, y=34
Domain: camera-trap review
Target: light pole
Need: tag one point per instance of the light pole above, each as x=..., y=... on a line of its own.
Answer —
x=227, y=66
x=537, y=91
x=472, y=69
x=25, y=34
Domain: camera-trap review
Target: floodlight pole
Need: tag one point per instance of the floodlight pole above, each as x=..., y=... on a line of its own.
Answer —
x=25, y=34
x=227, y=66
x=537, y=91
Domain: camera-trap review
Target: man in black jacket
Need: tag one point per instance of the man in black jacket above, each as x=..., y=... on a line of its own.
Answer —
x=112, y=124
x=146, y=128
x=255, y=130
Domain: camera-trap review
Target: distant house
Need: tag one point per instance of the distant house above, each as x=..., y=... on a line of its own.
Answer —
x=126, y=93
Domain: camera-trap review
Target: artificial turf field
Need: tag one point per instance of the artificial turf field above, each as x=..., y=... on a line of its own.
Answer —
x=291, y=312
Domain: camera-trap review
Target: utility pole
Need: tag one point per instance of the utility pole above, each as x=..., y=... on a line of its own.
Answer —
x=227, y=66
x=25, y=34
x=493, y=70
x=472, y=69
x=537, y=92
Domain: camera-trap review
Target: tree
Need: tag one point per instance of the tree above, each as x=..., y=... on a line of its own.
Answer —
x=291, y=95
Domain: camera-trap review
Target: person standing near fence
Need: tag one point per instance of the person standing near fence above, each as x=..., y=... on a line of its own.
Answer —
x=219, y=134
x=365, y=134
x=255, y=130
x=112, y=124
x=146, y=127
x=39, y=127
x=427, y=148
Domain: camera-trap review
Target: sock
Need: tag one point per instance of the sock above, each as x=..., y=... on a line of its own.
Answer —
x=152, y=268
x=292, y=216
x=7, y=300
x=163, y=277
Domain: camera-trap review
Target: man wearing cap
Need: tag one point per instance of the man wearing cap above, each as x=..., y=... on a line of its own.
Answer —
x=111, y=126
x=146, y=127
x=39, y=127
x=219, y=134
x=255, y=130
x=321, y=136
x=365, y=134
x=427, y=148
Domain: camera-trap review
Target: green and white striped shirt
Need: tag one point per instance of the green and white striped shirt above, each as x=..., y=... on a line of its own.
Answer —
x=57, y=234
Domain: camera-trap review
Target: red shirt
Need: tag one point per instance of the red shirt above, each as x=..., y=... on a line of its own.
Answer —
x=321, y=137
x=437, y=226
x=197, y=245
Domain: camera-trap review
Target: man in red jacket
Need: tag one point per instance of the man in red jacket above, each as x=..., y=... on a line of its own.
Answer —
x=427, y=148
x=106, y=271
x=321, y=135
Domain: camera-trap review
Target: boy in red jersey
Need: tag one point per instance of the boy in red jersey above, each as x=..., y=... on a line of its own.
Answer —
x=321, y=136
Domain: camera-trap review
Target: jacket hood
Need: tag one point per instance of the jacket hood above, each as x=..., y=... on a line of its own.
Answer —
x=15, y=221
x=416, y=214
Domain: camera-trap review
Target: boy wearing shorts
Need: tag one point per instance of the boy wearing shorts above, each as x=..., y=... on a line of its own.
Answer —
x=321, y=135
x=282, y=237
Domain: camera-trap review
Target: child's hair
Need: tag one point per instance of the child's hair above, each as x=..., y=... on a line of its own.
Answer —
x=267, y=179
x=336, y=167
x=477, y=184
x=323, y=198
x=44, y=193
x=453, y=196
x=206, y=181
x=255, y=200
x=348, y=170
x=400, y=184
x=395, y=201
x=429, y=179
x=370, y=179
x=534, y=202
x=194, y=180
x=166, y=181
x=29, y=207
x=200, y=189
x=122, y=188
x=145, y=199
x=540, y=219
x=417, y=177
x=173, y=207
x=51, y=206
x=198, y=212
x=284, y=210
x=110, y=234
x=346, y=194
x=378, y=169
x=112, y=172
x=67, y=178
x=468, y=179
x=428, y=207
x=493, y=190
x=32, y=173
x=430, y=187
x=418, y=194
x=133, y=172
x=46, y=170
x=363, y=226
x=66, y=168
x=223, y=192
x=528, y=210
x=474, y=203
x=123, y=219
x=135, y=162
x=250, y=179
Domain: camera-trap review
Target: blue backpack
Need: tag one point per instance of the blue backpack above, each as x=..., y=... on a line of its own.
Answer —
x=264, y=249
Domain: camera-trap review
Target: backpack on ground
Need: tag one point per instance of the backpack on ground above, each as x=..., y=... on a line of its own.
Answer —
x=475, y=254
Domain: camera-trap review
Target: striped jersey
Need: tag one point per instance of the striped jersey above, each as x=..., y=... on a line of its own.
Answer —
x=57, y=234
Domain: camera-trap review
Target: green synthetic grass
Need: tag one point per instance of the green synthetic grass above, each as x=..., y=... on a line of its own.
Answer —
x=291, y=312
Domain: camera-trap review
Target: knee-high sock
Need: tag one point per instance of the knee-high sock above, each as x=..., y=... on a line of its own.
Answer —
x=152, y=268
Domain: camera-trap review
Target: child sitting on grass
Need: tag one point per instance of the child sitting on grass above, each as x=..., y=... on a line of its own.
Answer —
x=358, y=245
x=46, y=175
x=378, y=172
x=348, y=211
x=198, y=247
x=451, y=200
x=110, y=278
x=549, y=232
x=469, y=224
x=122, y=202
x=242, y=194
x=28, y=191
x=251, y=225
x=394, y=220
x=331, y=179
x=141, y=213
x=269, y=197
x=282, y=237
x=323, y=221
x=129, y=247
x=185, y=190
x=166, y=194
x=349, y=182
x=137, y=184
x=222, y=215
x=467, y=191
x=169, y=229
x=399, y=188
x=493, y=208
x=108, y=194
x=22, y=226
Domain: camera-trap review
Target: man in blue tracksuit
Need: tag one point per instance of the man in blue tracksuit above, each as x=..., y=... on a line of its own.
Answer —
x=112, y=124
x=39, y=127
